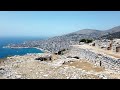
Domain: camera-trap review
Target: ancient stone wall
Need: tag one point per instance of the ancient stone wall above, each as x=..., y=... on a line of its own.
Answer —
x=98, y=59
x=116, y=45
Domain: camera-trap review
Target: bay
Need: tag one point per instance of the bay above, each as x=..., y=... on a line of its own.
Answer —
x=5, y=52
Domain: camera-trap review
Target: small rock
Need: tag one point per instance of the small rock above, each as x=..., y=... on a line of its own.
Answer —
x=45, y=75
x=18, y=76
x=30, y=70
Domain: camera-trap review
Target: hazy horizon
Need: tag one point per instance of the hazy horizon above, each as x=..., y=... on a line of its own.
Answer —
x=54, y=23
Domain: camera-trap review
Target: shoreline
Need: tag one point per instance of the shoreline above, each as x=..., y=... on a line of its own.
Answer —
x=42, y=51
x=28, y=47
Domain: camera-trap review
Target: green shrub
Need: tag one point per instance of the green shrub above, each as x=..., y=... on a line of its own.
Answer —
x=83, y=40
x=61, y=52
x=86, y=40
x=89, y=40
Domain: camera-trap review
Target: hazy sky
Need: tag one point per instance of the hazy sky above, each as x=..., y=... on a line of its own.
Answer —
x=51, y=23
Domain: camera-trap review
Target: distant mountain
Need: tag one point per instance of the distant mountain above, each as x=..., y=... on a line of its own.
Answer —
x=111, y=36
x=111, y=33
x=85, y=33
x=112, y=30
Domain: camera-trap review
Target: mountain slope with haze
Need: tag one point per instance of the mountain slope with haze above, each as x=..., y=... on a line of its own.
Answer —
x=58, y=43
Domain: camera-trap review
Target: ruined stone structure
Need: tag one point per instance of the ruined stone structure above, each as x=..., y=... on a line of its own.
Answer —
x=98, y=58
x=116, y=45
x=106, y=44
x=46, y=57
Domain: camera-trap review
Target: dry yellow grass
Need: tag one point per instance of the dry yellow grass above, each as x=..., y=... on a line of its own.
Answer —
x=115, y=76
x=85, y=66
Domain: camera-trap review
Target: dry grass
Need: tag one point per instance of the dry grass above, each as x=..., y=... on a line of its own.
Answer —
x=115, y=76
x=2, y=61
x=54, y=57
x=85, y=66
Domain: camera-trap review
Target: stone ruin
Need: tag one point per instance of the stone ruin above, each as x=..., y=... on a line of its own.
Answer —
x=116, y=45
x=45, y=57
x=113, y=45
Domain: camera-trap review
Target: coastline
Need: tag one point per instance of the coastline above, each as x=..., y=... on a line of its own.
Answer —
x=42, y=50
x=46, y=51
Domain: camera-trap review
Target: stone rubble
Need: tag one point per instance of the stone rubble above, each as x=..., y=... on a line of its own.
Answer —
x=113, y=45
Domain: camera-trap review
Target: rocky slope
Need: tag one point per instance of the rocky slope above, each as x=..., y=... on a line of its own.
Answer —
x=111, y=35
x=66, y=66
x=112, y=30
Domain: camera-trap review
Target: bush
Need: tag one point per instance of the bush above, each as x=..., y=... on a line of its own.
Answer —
x=83, y=40
x=89, y=40
x=61, y=52
x=86, y=40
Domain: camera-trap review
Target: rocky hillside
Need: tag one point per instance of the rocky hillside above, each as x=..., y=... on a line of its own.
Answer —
x=112, y=30
x=58, y=43
x=111, y=35
x=79, y=62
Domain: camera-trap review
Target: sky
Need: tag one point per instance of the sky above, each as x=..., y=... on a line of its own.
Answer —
x=54, y=23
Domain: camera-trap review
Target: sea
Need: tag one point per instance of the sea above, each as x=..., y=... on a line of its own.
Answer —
x=5, y=52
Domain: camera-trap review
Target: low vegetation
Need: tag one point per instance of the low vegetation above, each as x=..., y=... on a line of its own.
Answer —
x=61, y=52
x=86, y=40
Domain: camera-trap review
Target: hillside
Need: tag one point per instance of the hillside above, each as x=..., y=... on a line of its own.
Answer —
x=111, y=35
x=113, y=30
x=58, y=43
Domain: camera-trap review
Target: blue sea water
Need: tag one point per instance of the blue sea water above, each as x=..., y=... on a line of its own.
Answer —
x=4, y=52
